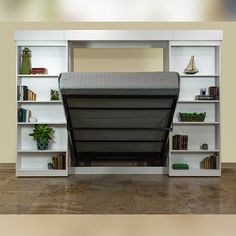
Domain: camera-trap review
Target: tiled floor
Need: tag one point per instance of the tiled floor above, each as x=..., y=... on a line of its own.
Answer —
x=118, y=194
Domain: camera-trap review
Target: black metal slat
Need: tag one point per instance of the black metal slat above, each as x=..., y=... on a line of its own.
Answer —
x=118, y=141
x=122, y=96
x=117, y=128
x=118, y=108
x=118, y=156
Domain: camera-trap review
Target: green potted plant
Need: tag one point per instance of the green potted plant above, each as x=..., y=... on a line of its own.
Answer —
x=54, y=95
x=42, y=134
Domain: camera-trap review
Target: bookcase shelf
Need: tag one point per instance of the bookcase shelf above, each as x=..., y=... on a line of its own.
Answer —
x=199, y=75
x=37, y=76
x=198, y=101
x=37, y=102
x=207, y=56
x=30, y=161
x=55, y=51
x=195, y=172
x=196, y=123
x=38, y=172
x=46, y=123
x=41, y=151
x=195, y=151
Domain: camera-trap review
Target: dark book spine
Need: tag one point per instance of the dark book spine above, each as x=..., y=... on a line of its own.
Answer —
x=181, y=142
x=25, y=93
x=18, y=93
x=63, y=161
x=19, y=115
x=178, y=142
x=24, y=115
x=186, y=142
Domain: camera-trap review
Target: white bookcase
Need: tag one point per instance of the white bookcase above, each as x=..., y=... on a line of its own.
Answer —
x=207, y=57
x=53, y=49
x=52, y=56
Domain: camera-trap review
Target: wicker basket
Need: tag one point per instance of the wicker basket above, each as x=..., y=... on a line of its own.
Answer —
x=192, y=117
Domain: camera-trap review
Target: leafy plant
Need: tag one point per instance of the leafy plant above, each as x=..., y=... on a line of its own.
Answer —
x=54, y=95
x=42, y=133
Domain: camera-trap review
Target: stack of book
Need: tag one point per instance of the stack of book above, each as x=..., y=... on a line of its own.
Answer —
x=209, y=162
x=59, y=162
x=23, y=115
x=213, y=94
x=38, y=70
x=205, y=97
x=25, y=94
x=180, y=142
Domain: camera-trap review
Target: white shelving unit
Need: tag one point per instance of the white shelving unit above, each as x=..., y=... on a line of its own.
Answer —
x=53, y=57
x=207, y=56
x=53, y=49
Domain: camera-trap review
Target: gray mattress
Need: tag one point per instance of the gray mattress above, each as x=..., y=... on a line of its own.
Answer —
x=111, y=83
x=126, y=122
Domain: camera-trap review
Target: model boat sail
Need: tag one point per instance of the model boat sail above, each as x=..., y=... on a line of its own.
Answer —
x=191, y=68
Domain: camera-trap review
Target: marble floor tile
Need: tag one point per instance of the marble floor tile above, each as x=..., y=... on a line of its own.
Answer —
x=118, y=194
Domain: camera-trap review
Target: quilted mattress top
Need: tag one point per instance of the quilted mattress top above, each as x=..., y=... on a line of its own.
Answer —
x=75, y=82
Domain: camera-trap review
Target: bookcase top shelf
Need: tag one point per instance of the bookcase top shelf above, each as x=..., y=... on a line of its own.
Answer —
x=118, y=35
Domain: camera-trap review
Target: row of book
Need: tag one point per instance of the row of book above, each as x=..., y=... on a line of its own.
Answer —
x=209, y=162
x=59, y=162
x=24, y=115
x=213, y=94
x=25, y=94
x=180, y=142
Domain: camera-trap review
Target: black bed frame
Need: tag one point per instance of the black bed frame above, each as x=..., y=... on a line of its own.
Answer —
x=151, y=158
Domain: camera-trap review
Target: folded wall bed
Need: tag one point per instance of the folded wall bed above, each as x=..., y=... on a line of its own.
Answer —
x=119, y=116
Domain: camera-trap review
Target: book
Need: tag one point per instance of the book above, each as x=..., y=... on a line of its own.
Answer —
x=23, y=115
x=59, y=162
x=209, y=162
x=180, y=142
x=25, y=92
x=18, y=93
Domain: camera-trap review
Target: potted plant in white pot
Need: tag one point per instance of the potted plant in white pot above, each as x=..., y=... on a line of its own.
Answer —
x=42, y=134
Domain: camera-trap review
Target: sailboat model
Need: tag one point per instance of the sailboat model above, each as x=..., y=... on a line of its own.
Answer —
x=191, y=68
